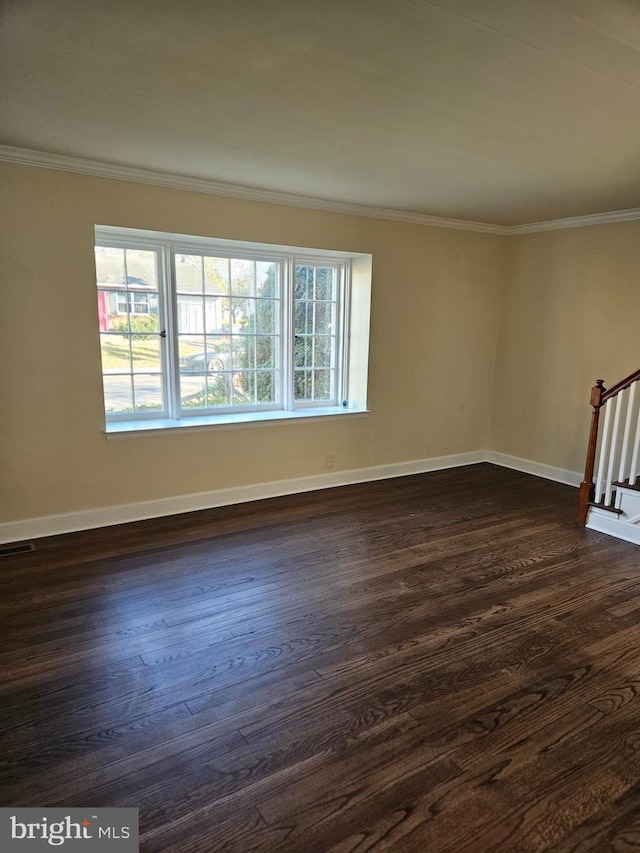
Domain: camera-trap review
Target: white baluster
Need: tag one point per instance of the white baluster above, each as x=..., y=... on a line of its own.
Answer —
x=633, y=469
x=612, y=451
x=622, y=471
x=604, y=451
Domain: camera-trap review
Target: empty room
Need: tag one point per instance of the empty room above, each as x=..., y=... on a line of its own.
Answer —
x=320, y=432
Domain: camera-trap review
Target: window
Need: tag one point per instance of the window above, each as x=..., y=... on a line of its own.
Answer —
x=132, y=302
x=203, y=331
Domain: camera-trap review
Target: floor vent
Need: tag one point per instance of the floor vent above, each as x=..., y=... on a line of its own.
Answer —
x=7, y=550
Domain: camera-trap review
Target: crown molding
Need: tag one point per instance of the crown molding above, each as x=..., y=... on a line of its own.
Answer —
x=100, y=169
x=133, y=174
x=577, y=221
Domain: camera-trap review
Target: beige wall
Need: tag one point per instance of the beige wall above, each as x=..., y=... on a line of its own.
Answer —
x=570, y=314
x=433, y=336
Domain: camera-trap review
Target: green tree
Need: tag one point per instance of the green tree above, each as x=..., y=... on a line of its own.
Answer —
x=255, y=351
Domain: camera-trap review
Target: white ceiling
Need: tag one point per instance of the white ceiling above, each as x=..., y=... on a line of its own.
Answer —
x=501, y=111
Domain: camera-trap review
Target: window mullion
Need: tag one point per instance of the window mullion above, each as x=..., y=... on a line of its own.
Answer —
x=205, y=334
x=254, y=293
x=312, y=305
x=170, y=299
x=128, y=304
x=232, y=339
x=287, y=330
x=342, y=340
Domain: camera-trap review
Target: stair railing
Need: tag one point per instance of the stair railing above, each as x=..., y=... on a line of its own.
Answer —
x=619, y=445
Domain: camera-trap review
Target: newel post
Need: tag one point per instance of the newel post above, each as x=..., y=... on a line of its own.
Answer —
x=587, y=487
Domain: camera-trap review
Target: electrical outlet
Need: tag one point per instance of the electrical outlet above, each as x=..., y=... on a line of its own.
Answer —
x=329, y=462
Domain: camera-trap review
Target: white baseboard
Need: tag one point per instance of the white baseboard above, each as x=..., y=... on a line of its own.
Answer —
x=69, y=522
x=538, y=469
x=606, y=522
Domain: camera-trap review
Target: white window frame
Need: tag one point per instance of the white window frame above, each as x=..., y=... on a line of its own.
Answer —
x=172, y=415
x=220, y=249
x=343, y=291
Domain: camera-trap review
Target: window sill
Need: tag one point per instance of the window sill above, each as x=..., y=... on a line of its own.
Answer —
x=141, y=429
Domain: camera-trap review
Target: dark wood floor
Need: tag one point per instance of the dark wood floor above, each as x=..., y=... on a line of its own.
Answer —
x=442, y=662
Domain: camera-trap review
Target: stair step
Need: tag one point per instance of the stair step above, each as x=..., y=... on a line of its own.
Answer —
x=604, y=506
x=627, y=485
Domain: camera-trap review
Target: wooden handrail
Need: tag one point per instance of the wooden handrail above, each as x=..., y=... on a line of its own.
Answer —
x=599, y=396
x=620, y=386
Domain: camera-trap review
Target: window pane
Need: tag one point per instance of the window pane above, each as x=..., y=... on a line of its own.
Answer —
x=145, y=353
x=266, y=386
x=266, y=316
x=244, y=351
x=323, y=351
x=193, y=390
x=120, y=321
x=215, y=362
x=302, y=385
x=323, y=318
x=190, y=315
x=219, y=347
x=304, y=282
x=216, y=309
x=322, y=384
x=244, y=316
x=244, y=388
x=303, y=351
x=325, y=283
x=109, y=265
x=314, y=385
x=216, y=275
x=304, y=318
x=189, y=273
x=266, y=351
x=140, y=321
x=148, y=392
x=141, y=268
x=118, y=394
x=199, y=354
x=254, y=352
x=219, y=388
x=242, y=277
x=191, y=352
x=116, y=355
x=267, y=276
